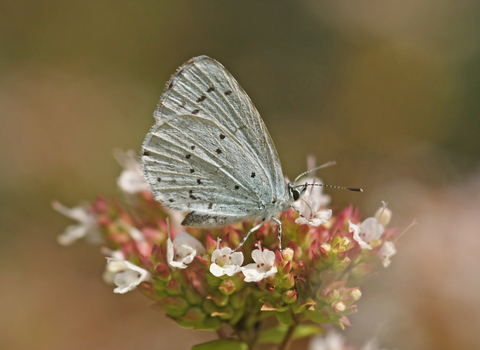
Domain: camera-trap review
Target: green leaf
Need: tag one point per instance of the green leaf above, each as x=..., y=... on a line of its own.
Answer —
x=221, y=344
x=285, y=318
x=276, y=334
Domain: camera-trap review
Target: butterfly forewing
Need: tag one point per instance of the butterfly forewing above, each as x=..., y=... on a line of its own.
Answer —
x=209, y=151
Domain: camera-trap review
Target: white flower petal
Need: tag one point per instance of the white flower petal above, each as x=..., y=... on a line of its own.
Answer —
x=130, y=278
x=216, y=270
x=355, y=229
x=237, y=258
x=87, y=225
x=131, y=181
x=183, y=250
x=269, y=257
x=302, y=221
x=324, y=214
x=386, y=252
x=184, y=239
x=231, y=270
x=263, y=266
x=371, y=230
x=224, y=262
x=71, y=234
x=251, y=273
x=270, y=272
x=257, y=256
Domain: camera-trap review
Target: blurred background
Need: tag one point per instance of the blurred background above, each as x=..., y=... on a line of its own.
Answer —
x=388, y=89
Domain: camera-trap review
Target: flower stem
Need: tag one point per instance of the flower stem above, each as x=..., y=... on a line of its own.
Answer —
x=288, y=337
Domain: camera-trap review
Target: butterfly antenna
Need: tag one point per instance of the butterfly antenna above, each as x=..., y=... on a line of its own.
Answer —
x=327, y=164
x=354, y=189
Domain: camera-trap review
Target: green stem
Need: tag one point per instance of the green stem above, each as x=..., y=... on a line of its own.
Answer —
x=288, y=337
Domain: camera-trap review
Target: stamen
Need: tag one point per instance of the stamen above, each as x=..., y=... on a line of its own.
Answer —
x=414, y=222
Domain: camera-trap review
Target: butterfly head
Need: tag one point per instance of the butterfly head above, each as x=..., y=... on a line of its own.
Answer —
x=296, y=192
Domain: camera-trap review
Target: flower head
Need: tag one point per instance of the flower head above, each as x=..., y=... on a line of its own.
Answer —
x=183, y=250
x=263, y=266
x=131, y=180
x=87, y=225
x=128, y=276
x=225, y=262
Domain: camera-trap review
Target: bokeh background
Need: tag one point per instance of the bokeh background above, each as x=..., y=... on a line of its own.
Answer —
x=390, y=89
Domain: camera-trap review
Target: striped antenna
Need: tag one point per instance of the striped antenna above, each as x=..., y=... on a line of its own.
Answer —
x=354, y=189
x=327, y=164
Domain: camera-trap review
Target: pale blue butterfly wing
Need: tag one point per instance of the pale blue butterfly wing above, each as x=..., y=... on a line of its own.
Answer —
x=209, y=151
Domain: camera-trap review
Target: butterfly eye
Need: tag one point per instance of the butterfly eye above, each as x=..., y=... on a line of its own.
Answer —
x=295, y=194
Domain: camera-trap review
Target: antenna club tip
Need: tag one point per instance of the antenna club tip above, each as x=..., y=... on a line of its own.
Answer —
x=355, y=189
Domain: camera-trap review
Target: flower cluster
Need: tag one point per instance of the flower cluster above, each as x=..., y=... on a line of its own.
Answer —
x=202, y=283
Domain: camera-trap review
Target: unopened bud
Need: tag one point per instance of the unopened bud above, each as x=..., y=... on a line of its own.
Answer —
x=338, y=306
x=325, y=246
x=356, y=294
x=287, y=254
x=383, y=215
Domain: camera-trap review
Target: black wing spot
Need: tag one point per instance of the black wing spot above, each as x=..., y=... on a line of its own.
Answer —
x=159, y=179
x=195, y=111
x=210, y=89
x=229, y=92
x=146, y=153
x=171, y=200
x=191, y=191
x=253, y=175
x=210, y=206
x=222, y=136
x=193, y=147
x=192, y=171
x=199, y=182
x=237, y=187
x=218, y=150
x=188, y=156
x=202, y=98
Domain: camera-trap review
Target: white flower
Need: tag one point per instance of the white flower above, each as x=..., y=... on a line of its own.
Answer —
x=87, y=225
x=131, y=180
x=313, y=198
x=183, y=250
x=321, y=217
x=368, y=231
x=128, y=276
x=262, y=268
x=224, y=262
x=331, y=341
x=113, y=267
x=386, y=252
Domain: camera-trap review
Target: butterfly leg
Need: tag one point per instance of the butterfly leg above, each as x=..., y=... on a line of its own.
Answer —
x=248, y=234
x=298, y=211
x=279, y=232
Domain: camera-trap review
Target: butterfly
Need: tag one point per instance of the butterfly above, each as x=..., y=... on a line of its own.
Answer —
x=209, y=152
